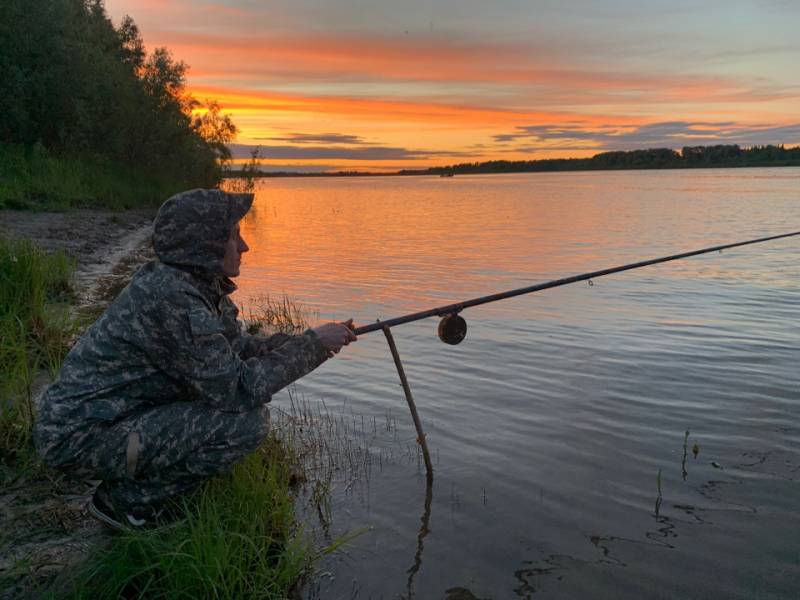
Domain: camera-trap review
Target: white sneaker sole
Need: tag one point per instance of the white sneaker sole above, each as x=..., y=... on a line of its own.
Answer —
x=103, y=517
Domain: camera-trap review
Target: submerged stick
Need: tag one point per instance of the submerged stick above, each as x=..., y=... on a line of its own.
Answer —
x=423, y=531
x=410, y=399
x=450, y=309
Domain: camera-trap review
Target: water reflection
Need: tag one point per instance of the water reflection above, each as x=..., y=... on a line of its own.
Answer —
x=460, y=593
x=400, y=240
x=423, y=531
x=585, y=390
x=625, y=552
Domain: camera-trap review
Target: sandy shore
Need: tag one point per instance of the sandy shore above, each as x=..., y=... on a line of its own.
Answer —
x=107, y=246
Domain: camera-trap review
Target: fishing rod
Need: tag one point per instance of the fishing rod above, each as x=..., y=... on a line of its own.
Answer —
x=453, y=328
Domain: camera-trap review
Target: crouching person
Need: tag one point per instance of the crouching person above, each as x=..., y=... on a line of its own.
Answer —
x=165, y=389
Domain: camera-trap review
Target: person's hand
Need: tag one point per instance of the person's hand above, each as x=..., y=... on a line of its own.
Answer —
x=335, y=335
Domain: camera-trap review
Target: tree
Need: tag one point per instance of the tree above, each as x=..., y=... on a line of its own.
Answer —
x=132, y=52
x=216, y=129
x=164, y=80
x=72, y=82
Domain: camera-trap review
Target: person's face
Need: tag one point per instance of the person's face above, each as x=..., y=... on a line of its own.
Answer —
x=234, y=248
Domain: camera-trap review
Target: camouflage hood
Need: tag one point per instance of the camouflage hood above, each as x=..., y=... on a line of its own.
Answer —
x=191, y=228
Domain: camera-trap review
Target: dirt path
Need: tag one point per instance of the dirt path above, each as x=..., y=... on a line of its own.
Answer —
x=44, y=527
x=107, y=246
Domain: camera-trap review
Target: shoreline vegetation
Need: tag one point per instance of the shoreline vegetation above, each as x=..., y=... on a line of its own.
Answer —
x=241, y=536
x=690, y=157
x=92, y=120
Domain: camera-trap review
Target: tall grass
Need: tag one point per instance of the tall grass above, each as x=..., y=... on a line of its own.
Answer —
x=239, y=537
x=35, y=329
x=238, y=540
x=34, y=178
x=267, y=315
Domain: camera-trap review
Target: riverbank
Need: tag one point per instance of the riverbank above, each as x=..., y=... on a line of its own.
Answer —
x=44, y=528
x=240, y=537
x=106, y=245
x=33, y=178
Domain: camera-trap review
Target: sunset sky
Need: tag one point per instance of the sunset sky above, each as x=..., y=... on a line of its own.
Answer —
x=382, y=85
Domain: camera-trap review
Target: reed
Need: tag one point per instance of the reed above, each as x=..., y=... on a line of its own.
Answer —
x=267, y=315
x=239, y=540
x=240, y=536
x=35, y=332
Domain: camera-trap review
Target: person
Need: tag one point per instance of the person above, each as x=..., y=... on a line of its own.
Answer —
x=165, y=389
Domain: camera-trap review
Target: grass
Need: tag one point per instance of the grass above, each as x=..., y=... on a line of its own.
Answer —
x=35, y=332
x=36, y=179
x=266, y=315
x=239, y=540
x=240, y=537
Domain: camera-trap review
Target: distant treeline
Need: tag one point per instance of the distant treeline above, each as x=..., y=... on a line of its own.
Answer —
x=656, y=158
x=80, y=95
x=728, y=155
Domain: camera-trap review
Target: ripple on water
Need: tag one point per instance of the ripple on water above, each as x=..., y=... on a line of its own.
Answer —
x=550, y=424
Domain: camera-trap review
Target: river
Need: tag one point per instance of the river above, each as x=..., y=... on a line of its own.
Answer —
x=558, y=428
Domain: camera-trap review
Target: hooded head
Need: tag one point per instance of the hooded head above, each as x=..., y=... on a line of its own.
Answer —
x=192, y=228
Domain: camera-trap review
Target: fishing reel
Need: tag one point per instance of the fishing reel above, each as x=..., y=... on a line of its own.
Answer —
x=452, y=329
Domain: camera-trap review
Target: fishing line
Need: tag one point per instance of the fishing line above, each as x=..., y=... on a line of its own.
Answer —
x=453, y=327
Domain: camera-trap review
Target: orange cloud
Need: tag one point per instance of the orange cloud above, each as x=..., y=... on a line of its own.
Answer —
x=342, y=60
x=244, y=102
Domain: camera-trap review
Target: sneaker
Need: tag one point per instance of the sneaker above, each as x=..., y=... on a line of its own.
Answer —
x=137, y=517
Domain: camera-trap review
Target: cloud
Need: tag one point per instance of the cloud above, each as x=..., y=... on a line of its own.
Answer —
x=340, y=153
x=418, y=114
x=295, y=168
x=319, y=138
x=669, y=134
x=550, y=76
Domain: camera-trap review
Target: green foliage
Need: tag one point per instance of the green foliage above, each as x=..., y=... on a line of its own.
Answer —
x=34, y=178
x=238, y=540
x=244, y=180
x=217, y=130
x=80, y=88
x=35, y=329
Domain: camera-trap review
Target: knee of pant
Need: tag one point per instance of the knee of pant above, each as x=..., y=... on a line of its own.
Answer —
x=57, y=452
x=248, y=429
x=237, y=435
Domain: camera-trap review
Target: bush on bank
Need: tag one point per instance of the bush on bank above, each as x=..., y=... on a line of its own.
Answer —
x=90, y=117
x=239, y=540
x=239, y=537
x=34, y=178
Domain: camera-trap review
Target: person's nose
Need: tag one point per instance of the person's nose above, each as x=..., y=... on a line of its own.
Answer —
x=243, y=247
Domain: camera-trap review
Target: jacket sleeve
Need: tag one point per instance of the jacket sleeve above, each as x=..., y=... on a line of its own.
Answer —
x=203, y=358
x=250, y=345
x=246, y=345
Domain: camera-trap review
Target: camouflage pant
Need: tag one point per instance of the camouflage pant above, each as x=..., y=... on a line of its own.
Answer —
x=169, y=450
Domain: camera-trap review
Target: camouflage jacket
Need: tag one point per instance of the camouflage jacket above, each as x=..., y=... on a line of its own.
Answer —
x=173, y=335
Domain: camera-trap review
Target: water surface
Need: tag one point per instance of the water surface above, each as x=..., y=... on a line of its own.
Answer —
x=550, y=423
